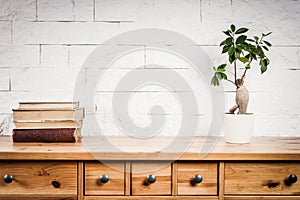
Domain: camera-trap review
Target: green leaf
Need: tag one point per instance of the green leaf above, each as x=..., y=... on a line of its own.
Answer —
x=236, y=54
x=267, y=43
x=241, y=39
x=221, y=75
x=241, y=30
x=260, y=52
x=224, y=76
x=263, y=68
x=243, y=59
x=214, y=80
x=256, y=38
x=266, y=48
x=225, y=49
x=229, y=41
x=221, y=68
x=247, y=66
x=266, y=34
x=226, y=33
x=223, y=43
x=231, y=51
x=240, y=46
x=231, y=59
x=232, y=28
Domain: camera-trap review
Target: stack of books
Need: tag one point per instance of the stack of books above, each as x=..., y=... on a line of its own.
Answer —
x=47, y=122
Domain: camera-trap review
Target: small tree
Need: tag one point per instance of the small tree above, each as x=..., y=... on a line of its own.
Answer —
x=244, y=50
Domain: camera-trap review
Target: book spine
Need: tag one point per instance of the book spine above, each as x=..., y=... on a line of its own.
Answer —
x=45, y=135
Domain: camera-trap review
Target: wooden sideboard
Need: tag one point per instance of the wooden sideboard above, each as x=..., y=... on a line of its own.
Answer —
x=267, y=169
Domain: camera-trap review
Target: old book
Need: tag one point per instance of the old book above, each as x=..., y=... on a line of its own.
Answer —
x=46, y=135
x=46, y=115
x=47, y=124
x=48, y=105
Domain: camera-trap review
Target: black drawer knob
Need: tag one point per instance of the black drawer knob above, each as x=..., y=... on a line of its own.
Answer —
x=151, y=178
x=8, y=178
x=104, y=178
x=291, y=179
x=197, y=179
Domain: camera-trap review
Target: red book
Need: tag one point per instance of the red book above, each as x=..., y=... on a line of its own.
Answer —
x=46, y=135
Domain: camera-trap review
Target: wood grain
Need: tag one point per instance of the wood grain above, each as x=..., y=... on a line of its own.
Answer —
x=186, y=173
x=221, y=176
x=261, y=178
x=127, y=178
x=151, y=198
x=260, y=148
x=115, y=172
x=80, y=180
x=140, y=171
x=262, y=198
x=38, y=197
x=36, y=178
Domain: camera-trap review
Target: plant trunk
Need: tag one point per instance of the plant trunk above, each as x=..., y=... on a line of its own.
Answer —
x=241, y=99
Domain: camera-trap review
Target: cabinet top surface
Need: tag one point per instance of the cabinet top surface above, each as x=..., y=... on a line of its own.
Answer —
x=157, y=148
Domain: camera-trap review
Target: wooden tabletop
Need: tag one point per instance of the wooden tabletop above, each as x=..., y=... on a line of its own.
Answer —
x=157, y=148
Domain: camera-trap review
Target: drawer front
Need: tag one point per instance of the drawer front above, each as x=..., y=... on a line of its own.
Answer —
x=39, y=178
x=140, y=184
x=187, y=184
x=94, y=185
x=261, y=178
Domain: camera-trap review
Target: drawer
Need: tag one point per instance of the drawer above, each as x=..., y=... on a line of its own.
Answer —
x=38, y=178
x=96, y=182
x=190, y=183
x=161, y=183
x=261, y=178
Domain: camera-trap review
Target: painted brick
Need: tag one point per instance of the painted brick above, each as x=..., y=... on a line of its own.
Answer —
x=280, y=17
x=54, y=56
x=19, y=55
x=63, y=32
x=78, y=54
x=4, y=81
x=20, y=10
x=43, y=79
x=65, y=10
x=66, y=45
x=148, y=12
x=5, y=29
x=216, y=11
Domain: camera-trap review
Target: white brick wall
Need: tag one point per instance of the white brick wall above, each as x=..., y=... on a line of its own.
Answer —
x=44, y=43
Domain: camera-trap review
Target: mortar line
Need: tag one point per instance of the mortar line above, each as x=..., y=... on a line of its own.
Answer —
x=36, y=10
x=201, y=11
x=94, y=10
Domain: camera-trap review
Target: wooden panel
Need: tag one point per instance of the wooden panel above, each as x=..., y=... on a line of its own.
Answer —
x=115, y=172
x=127, y=178
x=140, y=171
x=221, y=180
x=80, y=179
x=151, y=198
x=260, y=148
x=261, y=178
x=186, y=173
x=39, y=178
x=38, y=197
x=262, y=198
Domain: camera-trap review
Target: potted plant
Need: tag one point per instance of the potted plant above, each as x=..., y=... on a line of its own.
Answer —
x=245, y=51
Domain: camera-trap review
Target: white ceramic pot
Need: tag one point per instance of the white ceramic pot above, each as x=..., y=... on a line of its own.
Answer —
x=238, y=128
